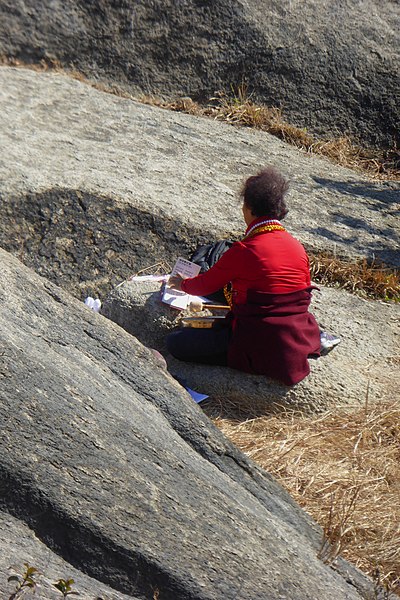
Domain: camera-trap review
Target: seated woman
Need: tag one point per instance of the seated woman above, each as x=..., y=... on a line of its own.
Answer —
x=268, y=330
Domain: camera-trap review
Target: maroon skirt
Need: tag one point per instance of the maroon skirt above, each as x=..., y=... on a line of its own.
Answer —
x=273, y=335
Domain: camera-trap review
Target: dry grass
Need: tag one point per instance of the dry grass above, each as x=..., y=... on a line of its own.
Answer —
x=361, y=276
x=343, y=469
x=53, y=65
x=341, y=150
x=240, y=110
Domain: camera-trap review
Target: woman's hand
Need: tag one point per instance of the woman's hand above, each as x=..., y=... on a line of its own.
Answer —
x=175, y=282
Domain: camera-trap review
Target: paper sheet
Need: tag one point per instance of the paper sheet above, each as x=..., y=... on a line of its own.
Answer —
x=175, y=298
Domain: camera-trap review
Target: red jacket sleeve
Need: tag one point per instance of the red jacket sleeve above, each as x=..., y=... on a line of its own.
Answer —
x=227, y=268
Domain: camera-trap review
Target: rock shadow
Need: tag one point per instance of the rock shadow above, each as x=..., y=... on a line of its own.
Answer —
x=88, y=244
x=383, y=193
x=380, y=198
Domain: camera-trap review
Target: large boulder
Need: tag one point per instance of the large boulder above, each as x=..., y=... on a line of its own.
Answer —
x=364, y=367
x=107, y=461
x=332, y=66
x=94, y=187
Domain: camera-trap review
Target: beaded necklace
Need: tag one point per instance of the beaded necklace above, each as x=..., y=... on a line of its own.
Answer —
x=268, y=225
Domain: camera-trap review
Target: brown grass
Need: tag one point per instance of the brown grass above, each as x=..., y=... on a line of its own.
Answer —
x=363, y=277
x=343, y=469
x=240, y=110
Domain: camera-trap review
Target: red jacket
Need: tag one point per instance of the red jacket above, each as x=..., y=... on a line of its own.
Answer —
x=272, y=331
x=273, y=262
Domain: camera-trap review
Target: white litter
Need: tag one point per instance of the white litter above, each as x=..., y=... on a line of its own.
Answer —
x=94, y=304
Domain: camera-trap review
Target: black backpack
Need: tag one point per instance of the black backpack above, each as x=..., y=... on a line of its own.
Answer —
x=206, y=256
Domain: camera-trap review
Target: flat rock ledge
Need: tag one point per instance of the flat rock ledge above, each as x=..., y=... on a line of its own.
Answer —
x=107, y=465
x=330, y=66
x=365, y=364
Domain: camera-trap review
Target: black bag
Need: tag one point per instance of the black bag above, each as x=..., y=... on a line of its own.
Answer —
x=206, y=256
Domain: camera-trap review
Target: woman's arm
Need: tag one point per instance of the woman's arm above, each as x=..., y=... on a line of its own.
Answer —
x=229, y=266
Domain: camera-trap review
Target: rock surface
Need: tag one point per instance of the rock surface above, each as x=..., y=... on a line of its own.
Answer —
x=109, y=464
x=94, y=187
x=366, y=363
x=106, y=464
x=19, y=544
x=332, y=66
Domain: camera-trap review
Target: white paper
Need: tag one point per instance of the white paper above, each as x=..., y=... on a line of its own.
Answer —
x=175, y=298
x=148, y=278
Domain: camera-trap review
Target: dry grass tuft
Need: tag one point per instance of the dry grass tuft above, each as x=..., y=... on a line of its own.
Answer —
x=185, y=104
x=361, y=276
x=240, y=110
x=342, y=468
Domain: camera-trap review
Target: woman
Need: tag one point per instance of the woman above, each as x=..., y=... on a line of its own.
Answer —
x=269, y=330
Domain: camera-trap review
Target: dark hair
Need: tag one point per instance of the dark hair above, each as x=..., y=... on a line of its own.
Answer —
x=264, y=194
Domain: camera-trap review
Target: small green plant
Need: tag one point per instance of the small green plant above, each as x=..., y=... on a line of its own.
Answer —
x=24, y=581
x=65, y=587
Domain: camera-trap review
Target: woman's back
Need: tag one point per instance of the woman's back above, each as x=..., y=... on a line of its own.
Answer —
x=273, y=262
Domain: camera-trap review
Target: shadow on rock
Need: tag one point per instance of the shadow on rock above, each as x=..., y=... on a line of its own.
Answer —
x=87, y=243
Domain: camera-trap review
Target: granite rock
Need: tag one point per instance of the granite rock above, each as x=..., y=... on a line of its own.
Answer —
x=110, y=465
x=94, y=188
x=365, y=364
